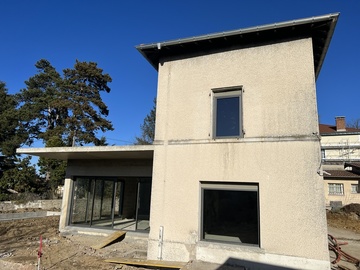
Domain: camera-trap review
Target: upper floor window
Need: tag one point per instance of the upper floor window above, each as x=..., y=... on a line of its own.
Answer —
x=227, y=120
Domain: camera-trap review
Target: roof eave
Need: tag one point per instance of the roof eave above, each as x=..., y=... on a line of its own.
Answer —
x=147, y=49
x=334, y=18
x=92, y=152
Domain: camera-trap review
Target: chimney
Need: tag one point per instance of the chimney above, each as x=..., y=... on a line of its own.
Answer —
x=340, y=123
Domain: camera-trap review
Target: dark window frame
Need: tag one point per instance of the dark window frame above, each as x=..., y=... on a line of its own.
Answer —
x=227, y=93
x=228, y=186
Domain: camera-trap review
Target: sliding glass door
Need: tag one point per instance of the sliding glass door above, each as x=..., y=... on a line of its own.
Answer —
x=143, y=204
x=110, y=202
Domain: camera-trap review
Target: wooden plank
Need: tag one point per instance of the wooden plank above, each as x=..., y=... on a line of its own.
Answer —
x=148, y=263
x=109, y=239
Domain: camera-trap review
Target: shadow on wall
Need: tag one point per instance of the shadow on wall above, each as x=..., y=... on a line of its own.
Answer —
x=232, y=264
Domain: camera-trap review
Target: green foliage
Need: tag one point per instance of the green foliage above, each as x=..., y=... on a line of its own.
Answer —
x=68, y=106
x=43, y=106
x=5, y=197
x=148, y=128
x=26, y=197
x=22, y=178
x=59, y=109
x=12, y=133
x=52, y=170
x=6, y=163
x=83, y=85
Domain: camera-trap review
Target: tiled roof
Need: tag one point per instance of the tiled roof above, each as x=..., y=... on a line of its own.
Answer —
x=356, y=165
x=341, y=174
x=332, y=129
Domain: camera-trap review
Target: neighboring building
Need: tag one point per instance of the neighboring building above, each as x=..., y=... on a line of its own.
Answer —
x=233, y=172
x=340, y=152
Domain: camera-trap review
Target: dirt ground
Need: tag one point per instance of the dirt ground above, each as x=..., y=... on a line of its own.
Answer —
x=19, y=244
x=347, y=220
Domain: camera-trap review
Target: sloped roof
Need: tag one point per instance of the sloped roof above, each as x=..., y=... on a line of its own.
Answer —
x=353, y=164
x=328, y=129
x=319, y=28
x=341, y=174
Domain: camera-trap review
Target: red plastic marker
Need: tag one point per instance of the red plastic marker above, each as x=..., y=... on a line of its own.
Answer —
x=39, y=252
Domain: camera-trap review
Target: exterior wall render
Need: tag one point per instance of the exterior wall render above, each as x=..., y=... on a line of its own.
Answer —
x=279, y=102
x=347, y=198
x=279, y=86
x=341, y=147
x=281, y=189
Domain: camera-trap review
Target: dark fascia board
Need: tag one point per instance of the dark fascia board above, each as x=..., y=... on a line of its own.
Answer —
x=340, y=133
x=350, y=178
x=319, y=28
x=355, y=168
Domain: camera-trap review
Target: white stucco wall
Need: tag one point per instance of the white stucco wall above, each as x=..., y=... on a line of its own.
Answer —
x=346, y=198
x=279, y=152
x=341, y=147
x=279, y=90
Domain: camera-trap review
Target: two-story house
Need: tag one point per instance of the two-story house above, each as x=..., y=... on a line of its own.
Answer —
x=340, y=153
x=233, y=175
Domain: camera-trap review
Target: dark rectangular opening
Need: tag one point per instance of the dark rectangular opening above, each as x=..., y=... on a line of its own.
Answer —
x=230, y=213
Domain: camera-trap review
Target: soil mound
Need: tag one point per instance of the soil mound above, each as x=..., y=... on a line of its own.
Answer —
x=353, y=207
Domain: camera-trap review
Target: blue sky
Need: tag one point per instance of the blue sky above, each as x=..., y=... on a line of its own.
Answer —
x=107, y=32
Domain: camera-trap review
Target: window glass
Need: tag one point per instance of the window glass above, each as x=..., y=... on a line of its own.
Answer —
x=227, y=117
x=122, y=204
x=336, y=189
x=230, y=215
x=354, y=188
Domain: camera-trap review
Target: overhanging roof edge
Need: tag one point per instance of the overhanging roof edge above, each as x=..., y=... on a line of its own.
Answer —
x=152, y=51
x=64, y=153
x=153, y=45
x=334, y=18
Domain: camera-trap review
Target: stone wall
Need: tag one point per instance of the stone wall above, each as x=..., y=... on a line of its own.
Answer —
x=42, y=204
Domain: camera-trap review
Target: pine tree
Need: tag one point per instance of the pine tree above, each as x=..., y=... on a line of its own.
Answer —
x=148, y=128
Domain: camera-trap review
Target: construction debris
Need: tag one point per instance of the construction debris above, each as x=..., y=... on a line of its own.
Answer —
x=147, y=263
x=334, y=246
x=114, y=237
